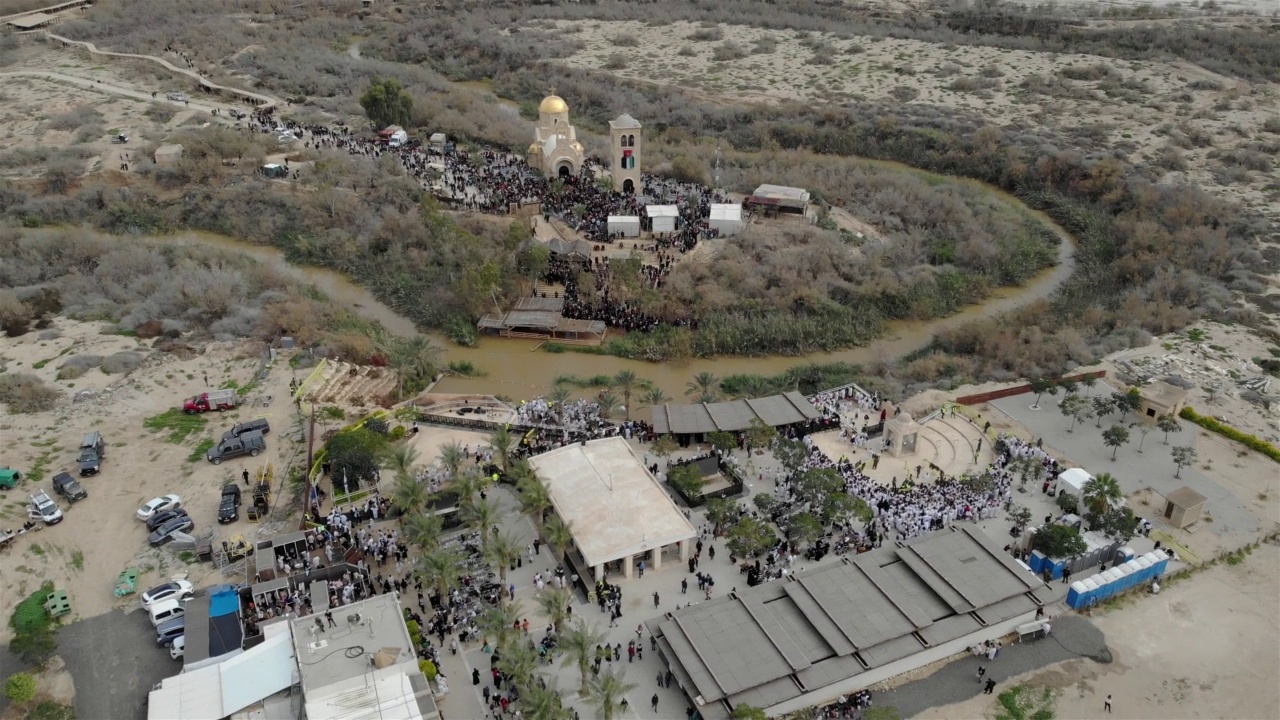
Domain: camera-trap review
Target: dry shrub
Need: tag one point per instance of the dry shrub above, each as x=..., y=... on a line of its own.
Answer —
x=121, y=363
x=79, y=364
x=728, y=50
x=149, y=329
x=74, y=118
x=26, y=393
x=70, y=373
x=707, y=34
x=625, y=40
x=15, y=316
x=351, y=347
x=616, y=61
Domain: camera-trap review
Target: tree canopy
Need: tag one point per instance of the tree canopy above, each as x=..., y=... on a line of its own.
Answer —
x=386, y=103
x=1058, y=541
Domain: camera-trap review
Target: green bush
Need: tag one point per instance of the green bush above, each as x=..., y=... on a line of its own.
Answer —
x=33, y=630
x=397, y=433
x=20, y=688
x=428, y=668
x=50, y=710
x=1253, y=442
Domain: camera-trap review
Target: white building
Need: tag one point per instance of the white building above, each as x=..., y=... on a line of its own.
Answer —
x=663, y=217
x=614, y=507
x=628, y=225
x=555, y=149
x=726, y=217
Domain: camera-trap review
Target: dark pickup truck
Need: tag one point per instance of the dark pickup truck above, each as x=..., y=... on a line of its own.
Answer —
x=250, y=444
x=68, y=487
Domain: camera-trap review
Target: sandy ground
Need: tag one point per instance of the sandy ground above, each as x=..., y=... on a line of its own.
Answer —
x=1204, y=648
x=41, y=83
x=100, y=536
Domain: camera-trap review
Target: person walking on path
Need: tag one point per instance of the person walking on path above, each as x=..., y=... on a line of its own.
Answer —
x=654, y=702
x=684, y=586
x=981, y=671
x=655, y=599
x=1106, y=704
x=991, y=685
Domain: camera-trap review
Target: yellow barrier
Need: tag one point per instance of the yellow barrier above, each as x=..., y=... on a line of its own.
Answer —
x=1167, y=540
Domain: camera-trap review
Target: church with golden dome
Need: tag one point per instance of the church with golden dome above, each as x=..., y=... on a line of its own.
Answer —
x=555, y=149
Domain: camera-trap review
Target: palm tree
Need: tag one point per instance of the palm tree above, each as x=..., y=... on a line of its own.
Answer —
x=606, y=691
x=555, y=604
x=441, y=568
x=502, y=442
x=580, y=644
x=422, y=532
x=400, y=458
x=468, y=485
x=498, y=622
x=626, y=382
x=608, y=403
x=519, y=660
x=414, y=360
x=1101, y=493
x=481, y=515
x=704, y=387
x=535, y=500
x=408, y=495
x=503, y=550
x=543, y=702
x=753, y=386
x=558, y=535
x=452, y=457
x=653, y=396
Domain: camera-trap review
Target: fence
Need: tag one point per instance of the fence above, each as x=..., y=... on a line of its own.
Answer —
x=979, y=398
x=707, y=466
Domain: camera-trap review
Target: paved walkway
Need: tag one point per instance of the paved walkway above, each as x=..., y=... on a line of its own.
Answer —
x=1151, y=468
x=1073, y=637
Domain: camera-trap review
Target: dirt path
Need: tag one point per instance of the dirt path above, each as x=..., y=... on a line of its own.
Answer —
x=106, y=88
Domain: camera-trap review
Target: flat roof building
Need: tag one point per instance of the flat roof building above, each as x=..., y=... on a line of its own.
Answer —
x=614, y=507
x=781, y=410
x=775, y=198
x=808, y=639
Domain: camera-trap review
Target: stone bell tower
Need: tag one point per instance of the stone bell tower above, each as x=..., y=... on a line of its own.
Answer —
x=625, y=145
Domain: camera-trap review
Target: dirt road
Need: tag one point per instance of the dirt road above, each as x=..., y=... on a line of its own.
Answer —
x=110, y=89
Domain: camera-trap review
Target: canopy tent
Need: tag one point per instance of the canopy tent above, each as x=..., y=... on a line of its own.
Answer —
x=628, y=225
x=726, y=217
x=664, y=217
x=774, y=411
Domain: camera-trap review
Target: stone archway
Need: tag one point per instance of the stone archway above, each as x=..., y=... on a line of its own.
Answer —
x=565, y=170
x=628, y=186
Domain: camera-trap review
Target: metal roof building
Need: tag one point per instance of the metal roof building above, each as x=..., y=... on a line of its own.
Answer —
x=775, y=411
x=787, y=645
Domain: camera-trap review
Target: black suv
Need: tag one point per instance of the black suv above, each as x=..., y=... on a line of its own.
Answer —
x=229, y=506
x=92, y=450
x=68, y=487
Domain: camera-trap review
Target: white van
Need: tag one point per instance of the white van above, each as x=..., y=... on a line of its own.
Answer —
x=166, y=610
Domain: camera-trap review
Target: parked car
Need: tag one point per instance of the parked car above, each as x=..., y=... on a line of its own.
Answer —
x=164, y=516
x=231, y=490
x=164, y=533
x=180, y=589
x=177, y=96
x=250, y=444
x=166, y=610
x=256, y=425
x=160, y=504
x=68, y=487
x=44, y=508
x=92, y=449
x=170, y=631
x=178, y=647
x=228, y=511
x=9, y=478
x=224, y=399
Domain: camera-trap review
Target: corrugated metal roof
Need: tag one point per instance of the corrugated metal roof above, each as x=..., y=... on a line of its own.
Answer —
x=774, y=411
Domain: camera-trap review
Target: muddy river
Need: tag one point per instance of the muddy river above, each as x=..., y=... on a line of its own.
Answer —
x=515, y=368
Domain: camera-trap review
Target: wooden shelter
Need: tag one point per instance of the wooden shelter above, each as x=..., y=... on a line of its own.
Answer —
x=1182, y=507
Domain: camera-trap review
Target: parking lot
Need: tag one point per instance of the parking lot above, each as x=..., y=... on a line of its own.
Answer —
x=114, y=661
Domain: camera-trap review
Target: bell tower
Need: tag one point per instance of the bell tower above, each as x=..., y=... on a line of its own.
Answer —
x=625, y=145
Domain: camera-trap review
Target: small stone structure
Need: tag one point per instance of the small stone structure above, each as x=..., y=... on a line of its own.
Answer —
x=167, y=156
x=1160, y=398
x=900, y=435
x=1182, y=507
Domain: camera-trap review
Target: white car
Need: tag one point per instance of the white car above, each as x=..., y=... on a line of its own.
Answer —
x=178, y=647
x=179, y=589
x=43, y=508
x=160, y=504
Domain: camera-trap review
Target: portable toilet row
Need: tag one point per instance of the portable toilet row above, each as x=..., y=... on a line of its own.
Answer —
x=1137, y=571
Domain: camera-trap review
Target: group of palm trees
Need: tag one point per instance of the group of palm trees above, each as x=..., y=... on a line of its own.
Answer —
x=442, y=568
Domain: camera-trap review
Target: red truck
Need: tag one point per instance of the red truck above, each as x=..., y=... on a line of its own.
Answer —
x=213, y=400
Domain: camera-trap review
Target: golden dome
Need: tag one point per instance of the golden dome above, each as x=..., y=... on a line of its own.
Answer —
x=553, y=104
x=534, y=149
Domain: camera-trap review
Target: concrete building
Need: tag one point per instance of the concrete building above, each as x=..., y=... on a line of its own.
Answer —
x=625, y=142
x=555, y=149
x=167, y=156
x=806, y=640
x=363, y=668
x=616, y=510
x=1160, y=398
x=773, y=199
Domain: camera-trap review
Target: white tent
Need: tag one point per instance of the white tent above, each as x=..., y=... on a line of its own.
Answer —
x=727, y=218
x=664, y=217
x=1072, y=481
x=628, y=225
